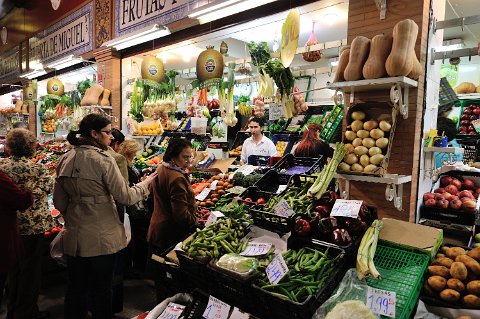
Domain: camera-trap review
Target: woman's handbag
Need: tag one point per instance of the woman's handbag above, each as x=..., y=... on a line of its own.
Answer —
x=56, y=248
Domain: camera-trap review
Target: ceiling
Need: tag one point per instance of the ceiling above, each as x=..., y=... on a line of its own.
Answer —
x=458, y=9
x=5, y=7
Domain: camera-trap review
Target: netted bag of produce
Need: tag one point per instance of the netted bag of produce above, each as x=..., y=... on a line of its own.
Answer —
x=348, y=302
x=312, y=56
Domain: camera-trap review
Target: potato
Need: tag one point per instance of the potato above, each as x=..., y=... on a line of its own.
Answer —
x=473, y=287
x=453, y=252
x=471, y=301
x=458, y=270
x=439, y=271
x=440, y=255
x=450, y=295
x=471, y=264
x=443, y=261
x=455, y=284
x=475, y=253
x=437, y=283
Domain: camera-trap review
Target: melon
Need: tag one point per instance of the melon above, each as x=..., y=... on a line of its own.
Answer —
x=152, y=69
x=55, y=86
x=28, y=93
x=290, y=32
x=209, y=64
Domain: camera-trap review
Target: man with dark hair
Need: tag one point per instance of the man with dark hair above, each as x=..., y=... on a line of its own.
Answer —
x=257, y=144
x=447, y=127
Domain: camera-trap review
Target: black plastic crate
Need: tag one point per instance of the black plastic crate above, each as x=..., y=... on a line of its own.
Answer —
x=270, y=221
x=306, y=165
x=448, y=216
x=470, y=150
x=282, y=308
x=239, y=139
x=446, y=95
x=198, y=305
x=193, y=270
x=270, y=182
x=254, y=194
x=258, y=160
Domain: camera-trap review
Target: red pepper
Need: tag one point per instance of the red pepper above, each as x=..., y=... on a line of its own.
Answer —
x=302, y=228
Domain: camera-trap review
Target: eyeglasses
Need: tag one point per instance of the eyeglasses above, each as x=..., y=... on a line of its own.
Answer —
x=107, y=132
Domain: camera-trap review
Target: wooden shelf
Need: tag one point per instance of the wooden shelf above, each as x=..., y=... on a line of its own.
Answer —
x=97, y=107
x=471, y=96
x=373, y=85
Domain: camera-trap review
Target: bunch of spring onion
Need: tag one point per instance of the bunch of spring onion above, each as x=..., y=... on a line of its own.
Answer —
x=324, y=178
x=366, y=252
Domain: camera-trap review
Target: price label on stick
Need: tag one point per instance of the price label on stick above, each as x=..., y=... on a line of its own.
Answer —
x=276, y=111
x=216, y=309
x=346, y=208
x=173, y=311
x=213, y=185
x=277, y=269
x=256, y=249
x=283, y=209
x=214, y=216
x=203, y=194
x=281, y=188
x=381, y=302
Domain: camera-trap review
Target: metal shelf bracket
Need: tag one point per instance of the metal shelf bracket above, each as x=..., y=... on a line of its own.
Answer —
x=397, y=99
x=382, y=6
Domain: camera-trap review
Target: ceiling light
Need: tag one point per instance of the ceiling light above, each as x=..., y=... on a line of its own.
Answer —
x=144, y=35
x=3, y=35
x=221, y=9
x=330, y=18
x=64, y=62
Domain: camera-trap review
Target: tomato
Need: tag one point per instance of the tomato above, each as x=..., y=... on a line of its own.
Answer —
x=248, y=199
x=261, y=201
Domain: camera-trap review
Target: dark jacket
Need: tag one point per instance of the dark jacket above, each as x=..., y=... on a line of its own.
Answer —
x=12, y=198
x=174, y=208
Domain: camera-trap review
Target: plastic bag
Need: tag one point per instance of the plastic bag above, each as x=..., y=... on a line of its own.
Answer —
x=350, y=288
x=183, y=299
x=237, y=263
x=128, y=229
x=56, y=248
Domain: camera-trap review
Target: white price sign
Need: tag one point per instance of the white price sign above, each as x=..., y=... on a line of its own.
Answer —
x=281, y=188
x=213, y=185
x=216, y=309
x=277, y=269
x=275, y=111
x=173, y=311
x=381, y=302
x=214, y=216
x=283, y=209
x=203, y=194
x=346, y=208
x=256, y=249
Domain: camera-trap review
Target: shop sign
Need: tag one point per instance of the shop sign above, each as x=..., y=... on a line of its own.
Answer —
x=10, y=67
x=72, y=35
x=131, y=15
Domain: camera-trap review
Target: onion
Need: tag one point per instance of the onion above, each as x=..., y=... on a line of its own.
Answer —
x=376, y=133
x=374, y=151
x=368, y=142
x=361, y=150
x=363, y=134
x=357, y=125
x=376, y=159
x=385, y=126
x=343, y=167
x=357, y=142
x=350, y=159
x=370, y=125
x=382, y=142
x=357, y=168
x=370, y=168
x=349, y=135
x=350, y=148
x=358, y=115
x=365, y=160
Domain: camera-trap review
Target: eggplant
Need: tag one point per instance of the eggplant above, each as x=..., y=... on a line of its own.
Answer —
x=341, y=237
x=328, y=198
x=327, y=225
x=356, y=227
x=323, y=210
x=365, y=214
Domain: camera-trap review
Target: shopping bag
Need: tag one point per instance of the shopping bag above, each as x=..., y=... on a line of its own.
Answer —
x=128, y=229
x=56, y=248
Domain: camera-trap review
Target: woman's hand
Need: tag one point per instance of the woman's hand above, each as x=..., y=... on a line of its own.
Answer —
x=151, y=177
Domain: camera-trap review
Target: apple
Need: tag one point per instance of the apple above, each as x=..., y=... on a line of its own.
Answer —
x=469, y=206
x=468, y=184
x=452, y=189
x=467, y=111
x=454, y=197
x=442, y=203
x=464, y=199
x=464, y=117
x=428, y=196
x=473, y=117
x=477, y=190
x=471, y=128
x=472, y=133
x=445, y=180
x=464, y=122
x=430, y=202
x=455, y=182
x=440, y=197
x=456, y=204
x=465, y=193
x=476, y=112
x=439, y=190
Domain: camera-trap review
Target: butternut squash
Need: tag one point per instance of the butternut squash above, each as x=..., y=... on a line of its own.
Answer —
x=358, y=55
x=416, y=69
x=92, y=95
x=106, y=98
x=342, y=64
x=345, y=47
x=25, y=107
x=18, y=106
x=380, y=48
x=465, y=88
x=400, y=62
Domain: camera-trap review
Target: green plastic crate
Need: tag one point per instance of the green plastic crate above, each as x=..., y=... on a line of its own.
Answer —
x=333, y=121
x=402, y=271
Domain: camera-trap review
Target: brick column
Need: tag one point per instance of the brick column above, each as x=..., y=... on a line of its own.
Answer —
x=364, y=19
x=109, y=66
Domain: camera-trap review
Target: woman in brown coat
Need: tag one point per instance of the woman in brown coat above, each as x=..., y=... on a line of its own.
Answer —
x=174, y=203
x=87, y=185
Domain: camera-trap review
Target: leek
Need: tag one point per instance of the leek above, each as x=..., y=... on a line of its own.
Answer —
x=366, y=251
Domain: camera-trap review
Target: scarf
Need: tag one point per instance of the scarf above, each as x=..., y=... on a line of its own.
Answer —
x=172, y=165
x=92, y=142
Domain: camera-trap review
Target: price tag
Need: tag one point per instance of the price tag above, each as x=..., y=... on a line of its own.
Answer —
x=346, y=208
x=281, y=188
x=216, y=309
x=283, y=209
x=277, y=269
x=256, y=249
x=173, y=311
x=381, y=302
x=276, y=111
x=248, y=170
x=238, y=314
x=214, y=216
x=213, y=185
x=476, y=125
x=203, y=194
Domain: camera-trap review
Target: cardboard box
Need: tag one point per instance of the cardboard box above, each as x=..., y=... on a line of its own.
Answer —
x=223, y=164
x=421, y=238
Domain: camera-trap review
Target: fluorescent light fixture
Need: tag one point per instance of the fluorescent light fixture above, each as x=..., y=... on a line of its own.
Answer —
x=330, y=18
x=221, y=9
x=64, y=62
x=334, y=62
x=453, y=44
x=144, y=35
x=33, y=74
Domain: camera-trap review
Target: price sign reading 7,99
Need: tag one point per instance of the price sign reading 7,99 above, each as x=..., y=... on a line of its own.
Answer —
x=381, y=302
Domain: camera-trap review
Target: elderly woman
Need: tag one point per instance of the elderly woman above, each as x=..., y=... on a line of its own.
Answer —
x=24, y=280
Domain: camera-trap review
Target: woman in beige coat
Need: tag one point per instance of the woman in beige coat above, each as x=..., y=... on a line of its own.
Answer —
x=87, y=184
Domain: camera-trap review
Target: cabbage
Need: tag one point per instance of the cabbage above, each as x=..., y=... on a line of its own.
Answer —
x=351, y=309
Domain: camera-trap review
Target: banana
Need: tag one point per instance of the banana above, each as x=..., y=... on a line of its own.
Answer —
x=206, y=113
